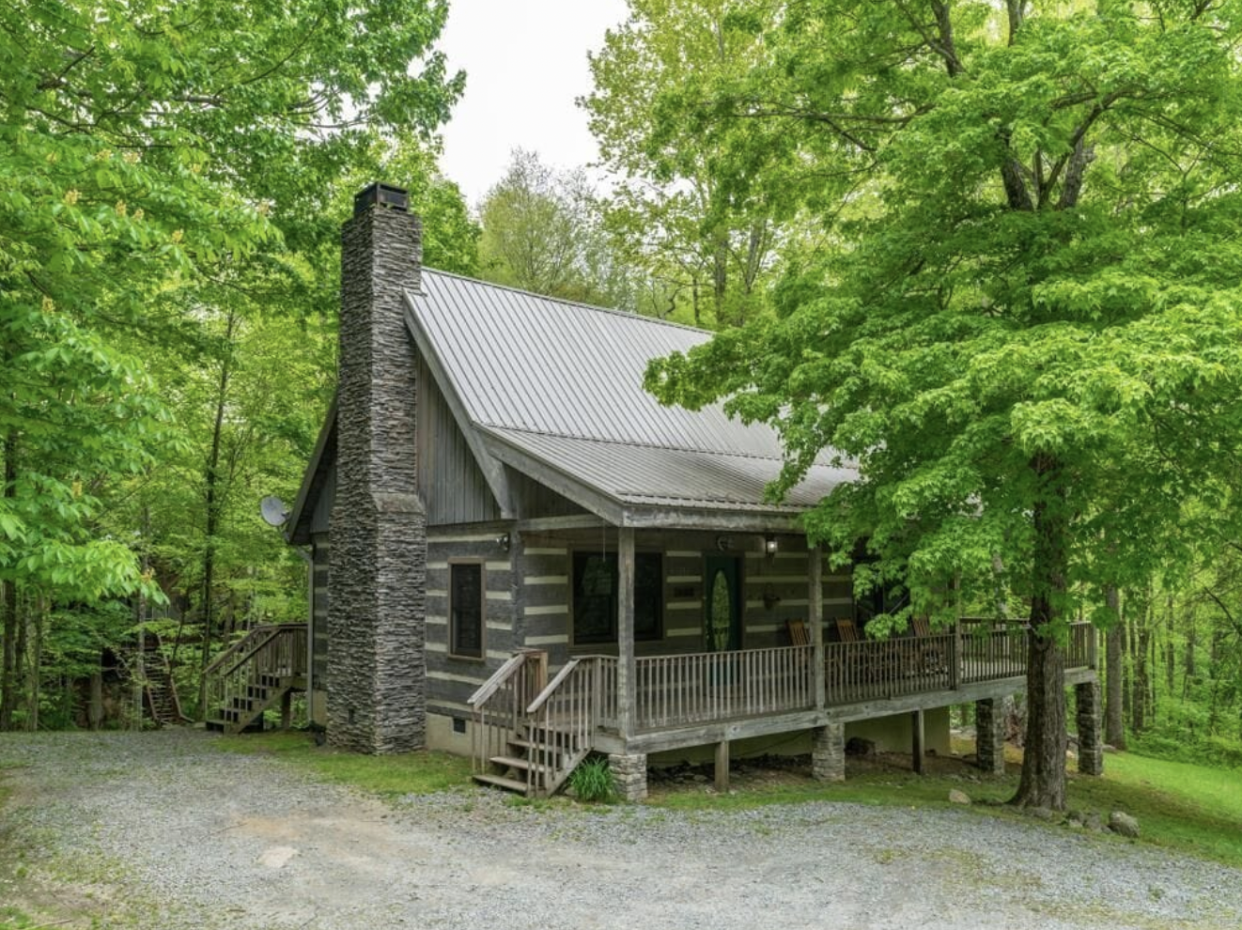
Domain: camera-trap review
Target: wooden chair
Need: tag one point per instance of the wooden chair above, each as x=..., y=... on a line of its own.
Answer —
x=847, y=632
x=799, y=635
x=931, y=656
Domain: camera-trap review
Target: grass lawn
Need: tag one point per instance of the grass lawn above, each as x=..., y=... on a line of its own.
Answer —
x=1182, y=807
x=1179, y=806
x=389, y=777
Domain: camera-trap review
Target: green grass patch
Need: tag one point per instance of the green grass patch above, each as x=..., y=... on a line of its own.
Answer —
x=390, y=777
x=1181, y=807
x=1191, y=808
x=13, y=919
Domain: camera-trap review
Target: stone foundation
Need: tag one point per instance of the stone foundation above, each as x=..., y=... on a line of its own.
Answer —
x=828, y=752
x=990, y=735
x=629, y=775
x=1090, y=728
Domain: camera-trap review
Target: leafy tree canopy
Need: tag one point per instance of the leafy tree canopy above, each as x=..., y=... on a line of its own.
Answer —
x=143, y=147
x=1031, y=344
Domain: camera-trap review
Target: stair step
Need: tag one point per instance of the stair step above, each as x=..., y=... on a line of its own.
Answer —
x=514, y=762
x=500, y=781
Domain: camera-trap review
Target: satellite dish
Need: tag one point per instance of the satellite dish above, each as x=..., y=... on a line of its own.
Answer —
x=273, y=510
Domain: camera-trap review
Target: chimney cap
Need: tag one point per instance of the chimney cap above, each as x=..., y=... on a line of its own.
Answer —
x=381, y=195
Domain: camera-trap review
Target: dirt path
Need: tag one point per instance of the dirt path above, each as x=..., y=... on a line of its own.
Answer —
x=162, y=830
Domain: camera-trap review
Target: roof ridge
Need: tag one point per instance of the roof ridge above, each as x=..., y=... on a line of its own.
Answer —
x=630, y=442
x=578, y=305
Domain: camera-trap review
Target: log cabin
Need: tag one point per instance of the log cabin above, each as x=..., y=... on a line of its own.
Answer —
x=518, y=554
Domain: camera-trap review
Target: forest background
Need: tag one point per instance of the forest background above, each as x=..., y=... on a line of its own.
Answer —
x=173, y=179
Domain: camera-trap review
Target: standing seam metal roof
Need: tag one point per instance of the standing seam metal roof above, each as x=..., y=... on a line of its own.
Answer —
x=563, y=382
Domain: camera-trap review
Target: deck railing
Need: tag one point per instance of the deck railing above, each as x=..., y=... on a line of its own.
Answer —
x=993, y=649
x=698, y=688
x=876, y=669
x=701, y=687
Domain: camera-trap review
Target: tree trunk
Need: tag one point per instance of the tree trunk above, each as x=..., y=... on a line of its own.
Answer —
x=1114, y=722
x=36, y=665
x=8, y=603
x=1043, y=759
x=1139, y=702
x=720, y=278
x=1189, y=661
x=212, y=506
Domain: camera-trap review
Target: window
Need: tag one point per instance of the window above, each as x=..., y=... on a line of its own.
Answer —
x=595, y=597
x=466, y=609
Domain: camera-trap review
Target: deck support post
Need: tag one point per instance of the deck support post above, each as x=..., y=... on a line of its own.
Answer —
x=828, y=752
x=917, y=741
x=629, y=775
x=990, y=735
x=627, y=670
x=1090, y=728
x=286, y=710
x=815, y=606
x=722, y=766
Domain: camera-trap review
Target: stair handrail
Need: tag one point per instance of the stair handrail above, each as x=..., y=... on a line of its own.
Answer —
x=257, y=632
x=215, y=689
x=498, y=707
x=554, y=684
x=275, y=632
x=502, y=674
x=565, y=716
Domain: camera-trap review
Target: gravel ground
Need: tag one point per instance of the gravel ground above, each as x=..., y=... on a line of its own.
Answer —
x=160, y=830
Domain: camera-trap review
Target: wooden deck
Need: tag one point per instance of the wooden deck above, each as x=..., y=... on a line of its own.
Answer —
x=699, y=698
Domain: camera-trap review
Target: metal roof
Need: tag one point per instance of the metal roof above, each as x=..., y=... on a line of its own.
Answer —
x=563, y=383
x=654, y=476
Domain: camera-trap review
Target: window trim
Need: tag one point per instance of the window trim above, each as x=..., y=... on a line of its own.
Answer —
x=452, y=627
x=614, y=642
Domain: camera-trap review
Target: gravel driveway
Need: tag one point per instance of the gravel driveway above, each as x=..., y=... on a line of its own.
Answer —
x=160, y=830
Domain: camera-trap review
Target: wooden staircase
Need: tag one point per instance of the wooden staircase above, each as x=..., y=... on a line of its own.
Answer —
x=159, y=692
x=536, y=761
x=528, y=738
x=256, y=673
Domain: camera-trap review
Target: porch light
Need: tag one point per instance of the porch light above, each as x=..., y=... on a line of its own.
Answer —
x=769, y=545
x=503, y=542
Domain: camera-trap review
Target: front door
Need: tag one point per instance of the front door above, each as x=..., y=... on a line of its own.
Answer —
x=722, y=601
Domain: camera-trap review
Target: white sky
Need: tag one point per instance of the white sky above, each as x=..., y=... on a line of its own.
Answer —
x=525, y=62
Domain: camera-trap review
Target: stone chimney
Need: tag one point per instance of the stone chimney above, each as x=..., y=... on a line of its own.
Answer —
x=377, y=576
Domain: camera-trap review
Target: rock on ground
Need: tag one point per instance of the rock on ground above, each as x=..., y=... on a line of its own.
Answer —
x=196, y=838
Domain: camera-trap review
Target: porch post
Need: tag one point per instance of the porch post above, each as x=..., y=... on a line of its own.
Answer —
x=815, y=602
x=629, y=770
x=627, y=690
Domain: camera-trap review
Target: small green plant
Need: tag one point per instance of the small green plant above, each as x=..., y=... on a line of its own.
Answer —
x=591, y=781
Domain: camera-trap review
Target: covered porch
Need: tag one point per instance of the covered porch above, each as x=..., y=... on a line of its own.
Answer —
x=538, y=726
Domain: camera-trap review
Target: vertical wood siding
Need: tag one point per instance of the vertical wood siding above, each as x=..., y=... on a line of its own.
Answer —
x=449, y=479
